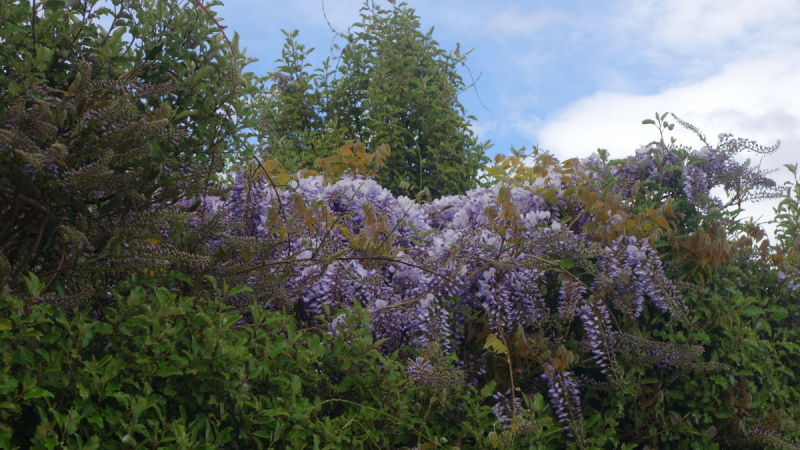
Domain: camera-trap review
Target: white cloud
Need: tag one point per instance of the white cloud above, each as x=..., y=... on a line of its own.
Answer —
x=758, y=98
x=697, y=25
x=755, y=98
x=516, y=23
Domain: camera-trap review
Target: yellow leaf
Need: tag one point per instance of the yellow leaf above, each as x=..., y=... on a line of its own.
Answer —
x=308, y=173
x=495, y=344
x=570, y=163
x=41, y=431
x=494, y=172
x=246, y=255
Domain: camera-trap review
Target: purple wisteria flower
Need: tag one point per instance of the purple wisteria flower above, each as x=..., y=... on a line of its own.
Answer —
x=504, y=409
x=566, y=401
x=597, y=325
x=792, y=280
x=443, y=274
x=570, y=296
x=424, y=373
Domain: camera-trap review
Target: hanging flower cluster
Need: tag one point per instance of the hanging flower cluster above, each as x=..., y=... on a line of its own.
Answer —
x=700, y=171
x=505, y=408
x=792, y=280
x=566, y=400
x=475, y=268
x=352, y=241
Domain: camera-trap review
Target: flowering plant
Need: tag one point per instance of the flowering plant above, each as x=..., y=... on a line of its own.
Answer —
x=494, y=278
x=550, y=280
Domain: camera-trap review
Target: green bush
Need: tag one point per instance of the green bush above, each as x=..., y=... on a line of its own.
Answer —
x=102, y=125
x=109, y=146
x=158, y=370
x=393, y=84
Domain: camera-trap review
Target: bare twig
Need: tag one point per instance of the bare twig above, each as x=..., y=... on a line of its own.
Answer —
x=34, y=247
x=25, y=199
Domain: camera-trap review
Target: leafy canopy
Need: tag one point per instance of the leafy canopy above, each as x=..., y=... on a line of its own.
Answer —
x=392, y=84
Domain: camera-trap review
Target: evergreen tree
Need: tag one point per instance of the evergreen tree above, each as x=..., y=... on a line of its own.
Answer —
x=393, y=85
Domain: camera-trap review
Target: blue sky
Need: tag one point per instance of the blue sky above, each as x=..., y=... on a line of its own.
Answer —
x=578, y=75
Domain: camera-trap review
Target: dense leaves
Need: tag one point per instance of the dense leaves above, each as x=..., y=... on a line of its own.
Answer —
x=391, y=84
x=163, y=371
x=590, y=303
x=102, y=125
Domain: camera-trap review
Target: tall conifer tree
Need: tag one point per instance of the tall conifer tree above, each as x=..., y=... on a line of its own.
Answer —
x=393, y=85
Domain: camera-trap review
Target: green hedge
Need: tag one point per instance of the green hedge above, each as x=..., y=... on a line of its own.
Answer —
x=160, y=370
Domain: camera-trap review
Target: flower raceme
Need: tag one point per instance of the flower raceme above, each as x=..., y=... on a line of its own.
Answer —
x=428, y=273
x=497, y=261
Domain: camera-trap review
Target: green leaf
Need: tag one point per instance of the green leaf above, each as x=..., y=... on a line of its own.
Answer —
x=720, y=380
x=182, y=277
x=53, y=4
x=36, y=393
x=676, y=394
x=183, y=114
x=277, y=348
x=488, y=390
x=550, y=194
x=104, y=360
x=297, y=385
x=151, y=53
x=239, y=289
x=274, y=412
x=724, y=412
x=566, y=264
x=778, y=312
x=168, y=372
x=592, y=420
x=344, y=384
x=34, y=285
x=95, y=419
x=5, y=324
x=82, y=391
x=753, y=311
x=648, y=122
x=701, y=336
x=120, y=60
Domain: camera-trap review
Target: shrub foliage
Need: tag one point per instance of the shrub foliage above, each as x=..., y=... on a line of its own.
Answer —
x=391, y=84
x=590, y=303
